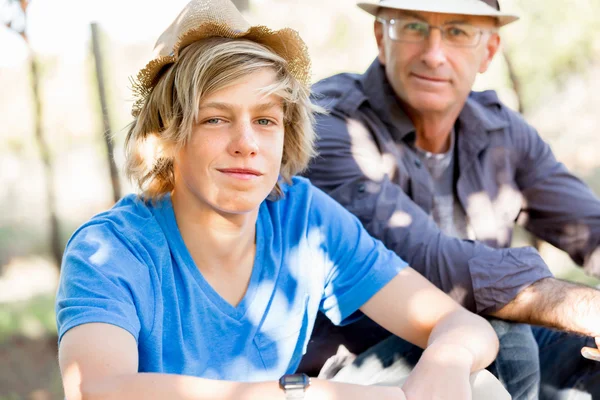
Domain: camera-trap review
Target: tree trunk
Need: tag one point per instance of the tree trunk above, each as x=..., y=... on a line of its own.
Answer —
x=514, y=78
x=55, y=243
x=112, y=167
x=56, y=247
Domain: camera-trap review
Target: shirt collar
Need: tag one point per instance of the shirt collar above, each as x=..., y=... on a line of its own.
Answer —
x=384, y=102
x=476, y=118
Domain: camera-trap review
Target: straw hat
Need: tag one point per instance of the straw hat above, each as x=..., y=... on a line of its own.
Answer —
x=201, y=19
x=462, y=7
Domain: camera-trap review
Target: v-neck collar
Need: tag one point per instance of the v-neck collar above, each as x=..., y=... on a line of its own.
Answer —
x=180, y=252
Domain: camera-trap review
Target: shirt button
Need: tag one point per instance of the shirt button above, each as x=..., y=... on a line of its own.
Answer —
x=361, y=188
x=418, y=163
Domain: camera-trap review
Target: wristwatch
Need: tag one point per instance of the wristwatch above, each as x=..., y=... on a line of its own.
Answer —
x=294, y=385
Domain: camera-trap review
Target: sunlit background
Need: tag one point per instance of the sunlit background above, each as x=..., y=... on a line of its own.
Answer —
x=550, y=70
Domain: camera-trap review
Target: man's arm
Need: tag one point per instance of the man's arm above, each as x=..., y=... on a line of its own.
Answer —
x=559, y=208
x=100, y=361
x=501, y=282
x=557, y=304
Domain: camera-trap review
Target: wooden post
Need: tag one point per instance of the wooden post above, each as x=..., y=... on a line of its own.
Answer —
x=514, y=79
x=114, y=174
x=56, y=247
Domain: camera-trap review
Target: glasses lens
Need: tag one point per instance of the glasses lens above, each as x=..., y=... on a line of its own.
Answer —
x=461, y=34
x=408, y=31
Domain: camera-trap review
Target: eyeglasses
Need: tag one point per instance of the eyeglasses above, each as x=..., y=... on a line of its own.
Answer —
x=415, y=31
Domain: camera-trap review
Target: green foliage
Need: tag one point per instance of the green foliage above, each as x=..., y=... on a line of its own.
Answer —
x=11, y=396
x=31, y=318
x=551, y=41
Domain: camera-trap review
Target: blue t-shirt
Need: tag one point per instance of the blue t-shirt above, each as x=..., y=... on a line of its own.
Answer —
x=129, y=267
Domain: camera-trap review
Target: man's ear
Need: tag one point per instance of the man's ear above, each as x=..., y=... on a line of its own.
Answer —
x=491, y=48
x=378, y=29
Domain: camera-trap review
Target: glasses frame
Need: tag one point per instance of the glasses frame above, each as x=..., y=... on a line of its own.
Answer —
x=388, y=23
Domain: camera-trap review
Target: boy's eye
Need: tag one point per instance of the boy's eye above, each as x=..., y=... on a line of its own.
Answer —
x=264, y=121
x=212, y=121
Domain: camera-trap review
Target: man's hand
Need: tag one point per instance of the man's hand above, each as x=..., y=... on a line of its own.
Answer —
x=592, y=353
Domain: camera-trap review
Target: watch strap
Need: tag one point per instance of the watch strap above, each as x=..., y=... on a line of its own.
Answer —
x=294, y=394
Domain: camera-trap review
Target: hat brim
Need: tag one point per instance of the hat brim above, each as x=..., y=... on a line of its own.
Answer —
x=284, y=42
x=478, y=8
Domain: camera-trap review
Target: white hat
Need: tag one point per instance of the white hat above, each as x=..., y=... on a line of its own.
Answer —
x=463, y=7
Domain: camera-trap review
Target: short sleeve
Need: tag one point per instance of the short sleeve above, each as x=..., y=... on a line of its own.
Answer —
x=102, y=281
x=358, y=265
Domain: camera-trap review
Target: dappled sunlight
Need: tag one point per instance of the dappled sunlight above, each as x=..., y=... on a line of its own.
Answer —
x=458, y=292
x=508, y=202
x=400, y=220
x=277, y=339
x=559, y=90
x=265, y=290
x=148, y=151
x=306, y=258
x=103, y=248
x=72, y=378
x=366, y=153
x=421, y=307
x=478, y=209
x=505, y=207
x=309, y=258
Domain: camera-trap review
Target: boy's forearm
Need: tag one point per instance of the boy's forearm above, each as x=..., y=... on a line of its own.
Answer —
x=460, y=331
x=153, y=386
x=156, y=386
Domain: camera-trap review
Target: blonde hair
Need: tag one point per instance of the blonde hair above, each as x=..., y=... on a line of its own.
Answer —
x=165, y=120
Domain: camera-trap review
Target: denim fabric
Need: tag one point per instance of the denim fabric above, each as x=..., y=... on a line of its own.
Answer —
x=517, y=365
x=565, y=374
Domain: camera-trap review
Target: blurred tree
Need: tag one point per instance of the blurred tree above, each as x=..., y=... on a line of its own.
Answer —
x=552, y=41
x=18, y=23
x=548, y=44
x=513, y=78
x=107, y=134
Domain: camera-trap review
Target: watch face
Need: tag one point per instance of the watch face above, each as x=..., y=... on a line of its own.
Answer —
x=294, y=381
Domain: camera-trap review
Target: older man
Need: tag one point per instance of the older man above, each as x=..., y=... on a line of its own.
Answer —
x=425, y=162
